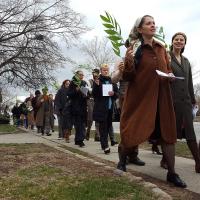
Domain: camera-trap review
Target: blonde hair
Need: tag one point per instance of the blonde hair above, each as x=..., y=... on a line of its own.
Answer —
x=104, y=66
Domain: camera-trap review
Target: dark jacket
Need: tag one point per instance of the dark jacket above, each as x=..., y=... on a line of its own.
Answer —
x=78, y=100
x=16, y=111
x=183, y=97
x=101, y=103
x=23, y=108
x=61, y=100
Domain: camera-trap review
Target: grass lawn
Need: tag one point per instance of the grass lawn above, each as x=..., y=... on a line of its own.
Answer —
x=36, y=171
x=6, y=128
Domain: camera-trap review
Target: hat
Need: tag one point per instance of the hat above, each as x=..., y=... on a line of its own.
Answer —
x=96, y=71
x=37, y=92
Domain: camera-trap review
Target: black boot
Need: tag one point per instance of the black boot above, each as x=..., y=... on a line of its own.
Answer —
x=176, y=180
x=122, y=161
x=87, y=137
x=155, y=149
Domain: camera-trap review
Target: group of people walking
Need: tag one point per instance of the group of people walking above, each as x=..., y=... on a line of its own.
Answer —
x=153, y=107
x=36, y=111
x=78, y=103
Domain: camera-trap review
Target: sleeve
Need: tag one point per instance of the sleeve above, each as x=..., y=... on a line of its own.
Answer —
x=57, y=102
x=116, y=91
x=129, y=67
x=72, y=92
x=116, y=75
x=168, y=58
x=97, y=90
x=190, y=86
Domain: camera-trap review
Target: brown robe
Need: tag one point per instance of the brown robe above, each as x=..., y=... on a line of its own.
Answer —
x=146, y=93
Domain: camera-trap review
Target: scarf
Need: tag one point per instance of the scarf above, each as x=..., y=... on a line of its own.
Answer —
x=76, y=80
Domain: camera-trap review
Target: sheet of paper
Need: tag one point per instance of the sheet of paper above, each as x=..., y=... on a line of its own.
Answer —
x=194, y=110
x=84, y=90
x=167, y=75
x=106, y=88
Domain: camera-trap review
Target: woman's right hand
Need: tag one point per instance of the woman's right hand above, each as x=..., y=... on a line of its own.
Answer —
x=129, y=53
x=96, y=81
x=121, y=66
x=129, y=59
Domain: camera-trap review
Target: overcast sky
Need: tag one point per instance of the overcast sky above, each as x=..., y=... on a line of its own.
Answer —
x=173, y=15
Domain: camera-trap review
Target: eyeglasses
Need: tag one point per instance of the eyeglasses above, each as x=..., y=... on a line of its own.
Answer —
x=81, y=74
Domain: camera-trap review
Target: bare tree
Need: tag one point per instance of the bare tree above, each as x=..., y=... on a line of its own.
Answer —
x=96, y=52
x=29, y=35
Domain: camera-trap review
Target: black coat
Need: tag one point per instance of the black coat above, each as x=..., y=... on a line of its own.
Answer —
x=101, y=102
x=61, y=99
x=78, y=100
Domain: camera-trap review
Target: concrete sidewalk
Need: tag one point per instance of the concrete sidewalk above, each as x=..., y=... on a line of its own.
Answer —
x=184, y=167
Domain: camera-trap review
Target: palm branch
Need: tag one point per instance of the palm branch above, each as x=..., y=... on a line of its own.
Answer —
x=113, y=30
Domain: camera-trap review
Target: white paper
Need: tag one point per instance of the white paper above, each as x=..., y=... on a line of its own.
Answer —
x=106, y=88
x=194, y=110
x=84, y=90
x=168, y=75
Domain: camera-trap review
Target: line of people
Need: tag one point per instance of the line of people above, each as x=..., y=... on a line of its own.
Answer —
x=36, y=111
x=153, y=108
x=78, y=103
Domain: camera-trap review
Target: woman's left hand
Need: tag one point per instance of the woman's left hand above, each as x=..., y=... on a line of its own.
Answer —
x=172, y=77
x=110, y=93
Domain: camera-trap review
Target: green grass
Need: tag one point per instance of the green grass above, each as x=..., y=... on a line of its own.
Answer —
x=181, y=148
x=6, y=128
x=49, y=183
x=73, y=150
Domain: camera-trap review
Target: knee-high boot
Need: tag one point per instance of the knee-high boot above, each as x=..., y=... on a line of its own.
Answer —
x=193, y=146
x=122, y=159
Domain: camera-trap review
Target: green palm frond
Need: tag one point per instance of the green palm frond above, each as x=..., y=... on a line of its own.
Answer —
x=160, y=36
x=113, y=31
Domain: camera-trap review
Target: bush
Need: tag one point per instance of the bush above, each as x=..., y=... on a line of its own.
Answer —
x=4, y=119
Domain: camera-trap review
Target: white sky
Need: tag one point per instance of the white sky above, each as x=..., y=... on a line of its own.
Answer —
x=173, y=15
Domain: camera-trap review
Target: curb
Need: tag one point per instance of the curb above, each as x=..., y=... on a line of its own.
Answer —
x=159, y=193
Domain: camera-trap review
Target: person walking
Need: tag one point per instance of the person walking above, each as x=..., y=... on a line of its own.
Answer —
x=116, y=77
x=78, y=96
x=16, y=112
x=51, y=107
x=183, y=95
x=35, y=108
x=148, y=107
x=44, y=112
x=63, y=112
x=90, y=106
x=104, y=93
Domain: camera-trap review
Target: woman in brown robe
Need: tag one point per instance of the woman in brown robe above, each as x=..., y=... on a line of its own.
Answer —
x=148, y=107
